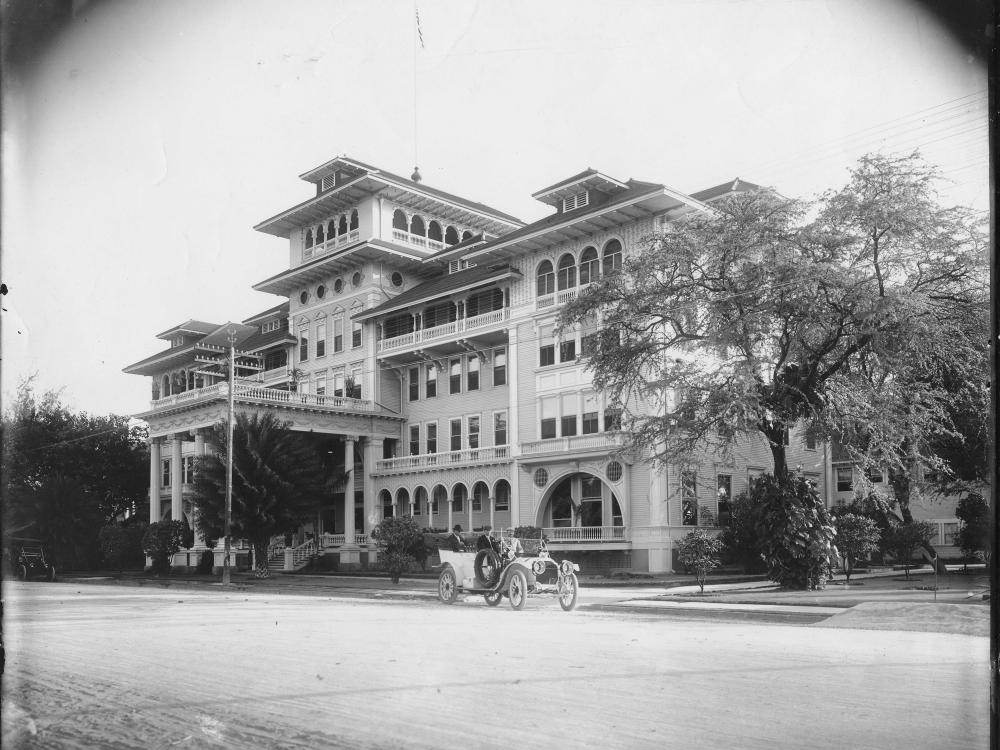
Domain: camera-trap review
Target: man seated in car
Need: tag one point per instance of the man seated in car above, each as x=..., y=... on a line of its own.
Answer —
x=454, y=540
x=486, y=540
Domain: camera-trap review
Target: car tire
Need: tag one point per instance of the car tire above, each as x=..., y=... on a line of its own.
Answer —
x=493, y=599
x=517, y=589
x=487, y=568
x=448, y=586
x=51, y=574
x=22, y=572
x=569, y=589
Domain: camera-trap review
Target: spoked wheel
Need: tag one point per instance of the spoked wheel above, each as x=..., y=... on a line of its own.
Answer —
x=517, y=589
x=493, y=599
x=486, y=566
x=568, y=588
x=447, y=586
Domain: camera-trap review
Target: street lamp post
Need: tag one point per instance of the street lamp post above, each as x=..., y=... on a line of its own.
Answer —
x=229, y=458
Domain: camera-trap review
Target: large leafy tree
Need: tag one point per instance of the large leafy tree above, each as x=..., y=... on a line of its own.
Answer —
x=764, y=312
x=68, y=473
x=278, y=477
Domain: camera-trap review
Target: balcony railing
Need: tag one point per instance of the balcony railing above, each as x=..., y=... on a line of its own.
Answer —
x=559, y=298
x=325, y=247
x=494, y=317
x=595, y=441
x=586, y=534
x=339, y=540
x=450, y=459
x=250, y=391
x=277, y=375
x=417, y=240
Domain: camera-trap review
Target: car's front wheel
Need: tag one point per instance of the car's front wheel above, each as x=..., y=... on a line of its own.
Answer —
x=568, y=588
x=517, y=589
x=493, y=599
x=447, y=586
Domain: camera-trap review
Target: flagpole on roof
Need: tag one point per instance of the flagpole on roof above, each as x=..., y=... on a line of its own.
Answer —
x=418, y=38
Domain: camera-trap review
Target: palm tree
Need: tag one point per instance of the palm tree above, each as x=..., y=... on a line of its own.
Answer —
x=277, y=478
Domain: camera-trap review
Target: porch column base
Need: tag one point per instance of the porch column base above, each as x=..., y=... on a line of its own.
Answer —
x=660, y=560
x=350, y=557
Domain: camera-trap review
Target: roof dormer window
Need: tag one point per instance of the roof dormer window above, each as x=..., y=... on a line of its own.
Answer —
x=577, y=200
x=328, y=182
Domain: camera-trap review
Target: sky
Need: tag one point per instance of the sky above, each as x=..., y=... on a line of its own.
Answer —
x=143, y=140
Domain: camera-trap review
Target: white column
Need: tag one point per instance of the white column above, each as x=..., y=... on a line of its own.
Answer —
x=493, y=503
x=176, y=480
x=154, y=480
x=349, y=492
x=199, y=452
x=372, y=448
x=514, y=425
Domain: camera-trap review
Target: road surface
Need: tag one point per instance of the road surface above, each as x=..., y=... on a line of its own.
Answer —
x=97, y=666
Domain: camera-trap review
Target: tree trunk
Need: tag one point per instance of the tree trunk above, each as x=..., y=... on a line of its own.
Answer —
x=778, y=456
x=261, y=567
x=900, y=483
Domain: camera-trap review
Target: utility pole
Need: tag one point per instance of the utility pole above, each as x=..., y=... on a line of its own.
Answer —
x=229, y=456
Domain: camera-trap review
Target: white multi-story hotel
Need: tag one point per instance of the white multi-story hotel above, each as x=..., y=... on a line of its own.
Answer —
x=416, y=331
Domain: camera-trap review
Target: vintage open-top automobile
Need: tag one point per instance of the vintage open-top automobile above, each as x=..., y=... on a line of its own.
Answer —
x=27, y=560
x=497, y=570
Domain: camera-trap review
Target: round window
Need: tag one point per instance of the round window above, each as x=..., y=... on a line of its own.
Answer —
x=338, y=286
x=356, y=279
x=541, y=477
x=613, y=471
x=320, y=291
x=397, y=278
x=304, y=297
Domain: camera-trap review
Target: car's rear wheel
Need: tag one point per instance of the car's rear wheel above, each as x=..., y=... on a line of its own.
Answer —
x=568, y=588
x=486, y=567
x=517, y=589
x=493, y=599
x=51, y=574
x=447, y=586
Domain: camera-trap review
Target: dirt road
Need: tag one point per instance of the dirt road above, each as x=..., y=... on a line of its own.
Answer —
x=94, y=666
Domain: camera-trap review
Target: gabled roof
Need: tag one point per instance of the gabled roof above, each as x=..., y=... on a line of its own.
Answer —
x=363, y=181
x=726, y=188
x=281, y=309
x=259, y=341
x=637, y=200
x=451, y=283
x=587, y=179
x=190, y=326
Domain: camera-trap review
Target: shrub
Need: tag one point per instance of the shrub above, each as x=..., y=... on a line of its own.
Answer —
x=795, y=530
x=528, y=532
x=121, y=546
x=400, y=544
x=878, y=508
x=699, y=551
x=974, y=536
x=206, y=563
x=906, y=538
x=857, y=537
x=739, y=539
x=160, y=541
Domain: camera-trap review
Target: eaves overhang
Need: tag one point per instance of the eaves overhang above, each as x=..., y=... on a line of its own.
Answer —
x=341, y=261
x=580, y=224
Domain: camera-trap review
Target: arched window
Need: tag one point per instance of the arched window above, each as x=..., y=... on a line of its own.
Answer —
x=165, y=386
x=342, y=225
x=466, y=235
x=451, y=236
x=458, y=495
x=546, y=279
x=309, y=238
x=417, y=226
x=590, y=267
x=320, y=238
x=399, y=220
x=438, y=497
x=434, y=231
x=354, y=218
x=480, y=497
x=403, y=500
x=385, y=500
x=420, y=502
x=331, y=229
x=501, y=495
x=612, y=256
x=567, y=272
